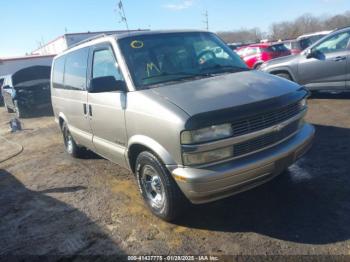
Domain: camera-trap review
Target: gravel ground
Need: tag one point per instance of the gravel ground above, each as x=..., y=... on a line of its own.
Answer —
x=53, y=204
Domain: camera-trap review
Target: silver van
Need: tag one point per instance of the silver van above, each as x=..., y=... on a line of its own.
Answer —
x=191, y=125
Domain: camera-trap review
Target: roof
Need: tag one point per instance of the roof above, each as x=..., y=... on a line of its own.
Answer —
x=313, y=34
x=264, y=44
x=156, y=32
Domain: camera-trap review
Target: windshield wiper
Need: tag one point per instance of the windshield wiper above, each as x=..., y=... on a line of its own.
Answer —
x=184, y=74
x=225, y=68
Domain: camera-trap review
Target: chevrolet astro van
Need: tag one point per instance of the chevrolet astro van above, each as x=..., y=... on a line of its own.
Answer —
x=193, y=124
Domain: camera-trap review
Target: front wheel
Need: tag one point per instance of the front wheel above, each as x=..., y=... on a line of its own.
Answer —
x=159, y=190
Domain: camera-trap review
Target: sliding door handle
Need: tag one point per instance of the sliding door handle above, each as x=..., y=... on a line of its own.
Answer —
x=90, y=110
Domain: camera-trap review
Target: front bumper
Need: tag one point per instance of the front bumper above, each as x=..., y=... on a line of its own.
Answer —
x=202, y=185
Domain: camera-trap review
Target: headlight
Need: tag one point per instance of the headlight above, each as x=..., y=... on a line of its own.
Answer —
x=207, y=157
x=206, y=134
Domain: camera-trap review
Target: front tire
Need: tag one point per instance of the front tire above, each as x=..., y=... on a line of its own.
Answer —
x=257, y=67
x=9, y=110
x=20, y=111
x=70, y=145
x=158, y=189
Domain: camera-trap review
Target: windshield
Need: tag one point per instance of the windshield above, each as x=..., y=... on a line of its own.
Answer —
x=306, y=42
x=165, y=58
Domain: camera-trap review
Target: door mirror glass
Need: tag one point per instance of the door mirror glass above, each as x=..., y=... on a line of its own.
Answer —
x=106, y=84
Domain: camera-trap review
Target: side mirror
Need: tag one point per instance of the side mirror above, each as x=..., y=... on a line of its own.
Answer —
x=106, y=84
x=309, y=54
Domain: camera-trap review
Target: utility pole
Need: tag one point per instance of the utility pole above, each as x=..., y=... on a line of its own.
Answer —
x=120, y=6
x=206, y=19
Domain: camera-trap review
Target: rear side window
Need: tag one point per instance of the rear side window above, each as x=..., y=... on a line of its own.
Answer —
x=252, y=51
x=57, y=73
x=277, y=48
x=75, y=69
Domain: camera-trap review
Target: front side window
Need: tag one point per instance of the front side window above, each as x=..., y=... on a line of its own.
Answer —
x=75, y=69
x=165, y=58
x=335, y=43
x=104, y=64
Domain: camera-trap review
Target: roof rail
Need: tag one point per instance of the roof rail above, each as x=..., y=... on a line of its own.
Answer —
x=88, y=40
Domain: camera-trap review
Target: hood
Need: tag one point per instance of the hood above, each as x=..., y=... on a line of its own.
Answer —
x=31, y=73
x=280, y=60
x=225, y=91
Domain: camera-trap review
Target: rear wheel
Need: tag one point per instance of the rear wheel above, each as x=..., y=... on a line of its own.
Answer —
x=70, y=145
x=159, y=190
x=284, y=75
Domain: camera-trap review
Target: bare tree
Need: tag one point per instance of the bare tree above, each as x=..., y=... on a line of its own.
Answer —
x=304, y=24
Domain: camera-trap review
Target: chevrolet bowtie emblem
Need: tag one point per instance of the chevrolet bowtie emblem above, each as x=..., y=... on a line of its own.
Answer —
x=278, y=128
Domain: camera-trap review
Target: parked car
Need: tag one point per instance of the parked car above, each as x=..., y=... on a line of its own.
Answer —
x=304, y=41
x=235, y=46
x=2, y=79
x=27, y=90
x=255, y=55
x=189, y=125
x=322, y=67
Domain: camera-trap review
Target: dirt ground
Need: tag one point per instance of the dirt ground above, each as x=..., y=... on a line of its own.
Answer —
x=53, y=204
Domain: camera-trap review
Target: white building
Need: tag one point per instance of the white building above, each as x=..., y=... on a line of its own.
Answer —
x=61, y=43
x=45, y=54
x=13, y=64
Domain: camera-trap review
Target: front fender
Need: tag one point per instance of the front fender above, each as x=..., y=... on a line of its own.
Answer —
x=153, y=145
x=284, y=69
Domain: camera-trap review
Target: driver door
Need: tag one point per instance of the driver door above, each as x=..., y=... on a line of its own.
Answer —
x=325, y=67
x=107, y=108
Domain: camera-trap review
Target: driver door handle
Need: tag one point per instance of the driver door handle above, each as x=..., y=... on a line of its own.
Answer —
x=339, y=58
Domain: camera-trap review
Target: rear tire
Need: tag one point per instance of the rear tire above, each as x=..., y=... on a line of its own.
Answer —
x=158, y=188
x=70, y=145
x=285, y=76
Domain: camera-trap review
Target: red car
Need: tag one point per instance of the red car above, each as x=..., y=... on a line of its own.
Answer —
x=256, y=54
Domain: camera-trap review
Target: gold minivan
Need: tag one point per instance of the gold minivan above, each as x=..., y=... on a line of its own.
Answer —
x=182, y=111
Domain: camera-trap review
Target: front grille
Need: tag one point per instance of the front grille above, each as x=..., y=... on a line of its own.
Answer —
x=263, y=141
x=264, y=120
